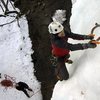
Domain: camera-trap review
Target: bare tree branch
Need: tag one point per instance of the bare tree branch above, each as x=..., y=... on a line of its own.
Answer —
x=10, y=12
x=8, y=22
x=2, y=8
x=2, y=15
x=7, y=3
x=7, y=12
x=12, y=4
x=4, y=4
x=16, y=19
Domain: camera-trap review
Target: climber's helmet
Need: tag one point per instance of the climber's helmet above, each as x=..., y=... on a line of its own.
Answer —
x=55, y=27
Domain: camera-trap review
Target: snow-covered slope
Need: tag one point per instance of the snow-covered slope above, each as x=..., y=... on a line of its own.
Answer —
x=15, y=59
x=84, y=82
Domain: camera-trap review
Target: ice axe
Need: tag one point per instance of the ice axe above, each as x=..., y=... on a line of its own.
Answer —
x=92, y=30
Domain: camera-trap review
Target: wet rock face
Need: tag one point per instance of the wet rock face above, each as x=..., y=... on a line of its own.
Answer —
x=39, y=13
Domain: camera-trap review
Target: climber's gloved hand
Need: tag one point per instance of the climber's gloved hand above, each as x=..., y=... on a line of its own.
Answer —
x=90, y=36
x=89, y=45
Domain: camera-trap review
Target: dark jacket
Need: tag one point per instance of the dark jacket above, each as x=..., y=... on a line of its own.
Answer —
x=60, y=45
x=22, y=86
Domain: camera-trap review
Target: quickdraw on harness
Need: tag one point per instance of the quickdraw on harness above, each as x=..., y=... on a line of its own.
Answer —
x=92, y=30
x=53, y=60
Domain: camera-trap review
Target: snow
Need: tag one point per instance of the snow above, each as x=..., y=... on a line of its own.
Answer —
x=15, y=59
x=59, y=15
x=84, y=81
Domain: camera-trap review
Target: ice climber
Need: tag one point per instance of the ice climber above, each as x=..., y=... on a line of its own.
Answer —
x=61, y=48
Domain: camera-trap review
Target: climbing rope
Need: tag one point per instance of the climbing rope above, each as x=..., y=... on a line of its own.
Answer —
x=8, y=81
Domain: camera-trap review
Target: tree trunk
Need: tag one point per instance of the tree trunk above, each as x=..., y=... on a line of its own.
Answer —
x=39, y=13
